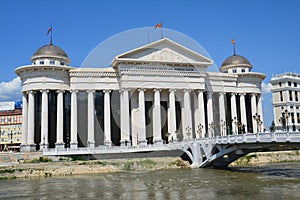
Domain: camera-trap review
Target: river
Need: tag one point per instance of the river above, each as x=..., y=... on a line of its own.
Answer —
x=270, y=181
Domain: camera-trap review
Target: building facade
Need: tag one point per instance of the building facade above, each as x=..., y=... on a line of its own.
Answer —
x=155, y=94
x=10, y=125
x=286, y=95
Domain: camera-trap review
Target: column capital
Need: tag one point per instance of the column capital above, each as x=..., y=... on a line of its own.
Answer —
x=124, y=89
x=60, y=91
x=90, y=91
x=187, y=90
x=44, y=91
x=221, y=93
x=106, y=91
x=74, y=91
x=172, y=90
x=157, y=90
x=141, y=89
x=30, y=92
x=233, y=94
x=242, y=94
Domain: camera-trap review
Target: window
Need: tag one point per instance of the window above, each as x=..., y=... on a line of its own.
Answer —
x=297, y=107
x=296, y=96
x=61, y=63
x=291, y=95
x=291, y=107
x=279, y=84
x=281, y=97
x=290, y=83
x=282, y=107
x=293, y=118
x=52, y=62
x=41, y=62
x=298, y=118
x=243, y=70
x=295, y=84
x=234, y=71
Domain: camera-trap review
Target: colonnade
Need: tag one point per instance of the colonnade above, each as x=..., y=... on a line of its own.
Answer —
x=197, y=119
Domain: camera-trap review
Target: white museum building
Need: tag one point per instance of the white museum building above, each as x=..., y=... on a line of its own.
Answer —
x=158, y=93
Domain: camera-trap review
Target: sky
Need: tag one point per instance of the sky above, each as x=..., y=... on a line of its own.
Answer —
x=266, y=31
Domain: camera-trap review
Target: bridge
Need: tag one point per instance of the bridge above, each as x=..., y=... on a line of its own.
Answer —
x=216, y=152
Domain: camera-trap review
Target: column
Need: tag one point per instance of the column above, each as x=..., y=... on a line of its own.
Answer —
x=59, y=122
x=107, y=124
x=210, y=116
x=125, y=118
x=30, y=138
x=201, y=125
x=24, y=122
x=44, y=119
x=91, y=121
x=188, y=133
x=157, y=118
x=142, y=126
x=243, y=111
x=260, y=112
x=74, y=142
x=222, y=113
x=254, y=111
x=233, y=113
x=172, y=118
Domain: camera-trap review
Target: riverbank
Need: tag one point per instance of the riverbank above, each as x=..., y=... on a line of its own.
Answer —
x=18, y=165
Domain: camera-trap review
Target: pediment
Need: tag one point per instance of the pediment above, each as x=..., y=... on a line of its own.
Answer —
x=164, y=51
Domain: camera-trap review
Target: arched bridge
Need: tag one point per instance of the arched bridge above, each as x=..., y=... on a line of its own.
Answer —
x=216, y=152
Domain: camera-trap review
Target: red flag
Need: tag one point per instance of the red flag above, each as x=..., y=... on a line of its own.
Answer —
x=159, y=25
x=233, y=41
x=49, y=30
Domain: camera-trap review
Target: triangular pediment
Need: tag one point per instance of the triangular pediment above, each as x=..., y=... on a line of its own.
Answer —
x=164, y=51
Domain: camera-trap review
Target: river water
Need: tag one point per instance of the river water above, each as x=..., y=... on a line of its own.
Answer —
x=271, y=181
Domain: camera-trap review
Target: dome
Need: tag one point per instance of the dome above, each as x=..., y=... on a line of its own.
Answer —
x=50, y=50
x=236, y=60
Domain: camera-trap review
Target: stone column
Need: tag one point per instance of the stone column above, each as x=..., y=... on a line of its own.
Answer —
x=260, y=111
x=172, y=119
x=31, y=124
x=107, y=124
x=201, y=126
x=125, y=118
x=142, y=126
x=188, y=131
x=74, y=142
x=59, y=122
x=243, y=111
x=157, y=118
x=91, y=120
x=44, y=120
x=254, y=111
x=222, y=113
x=210, y=115
x=24, y=123
x=233, y=113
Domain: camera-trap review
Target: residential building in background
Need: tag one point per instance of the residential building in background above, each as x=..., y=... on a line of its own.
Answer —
x=286, y=101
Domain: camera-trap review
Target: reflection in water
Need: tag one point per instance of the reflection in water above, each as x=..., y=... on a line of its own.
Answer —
x=276, y=181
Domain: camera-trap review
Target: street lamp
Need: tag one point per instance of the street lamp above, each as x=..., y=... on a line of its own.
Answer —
x=256, y=117
x=188, y=132
x=211, y=127
x=286, y=116
x=199, y=130
x=223, y=127
x=236, y=122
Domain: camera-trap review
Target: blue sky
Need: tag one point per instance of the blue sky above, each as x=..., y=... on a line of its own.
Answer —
x=266, y=31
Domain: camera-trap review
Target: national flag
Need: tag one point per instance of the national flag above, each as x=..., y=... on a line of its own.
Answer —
x=159, y=25
x=233, y=41
x=49, y=30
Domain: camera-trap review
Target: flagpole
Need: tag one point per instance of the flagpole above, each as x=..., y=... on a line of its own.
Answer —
x=51, y=35
x=161, y=31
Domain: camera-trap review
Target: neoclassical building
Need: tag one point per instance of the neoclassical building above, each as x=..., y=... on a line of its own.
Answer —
x=158, y=93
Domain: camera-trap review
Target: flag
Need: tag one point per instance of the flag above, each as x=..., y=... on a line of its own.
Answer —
x=159, y=25
x=233, y=41
x=49, y=30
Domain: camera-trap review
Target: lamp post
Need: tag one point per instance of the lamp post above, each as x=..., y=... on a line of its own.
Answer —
x=235, y=121
x=256, y=117
x=211, y=128
x=188, y=132
x=223, y=127
x=199, y=130
x=285, y=116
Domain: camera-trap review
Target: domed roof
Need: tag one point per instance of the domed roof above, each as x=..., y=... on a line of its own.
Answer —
x=236, y=60
x=50, y=50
